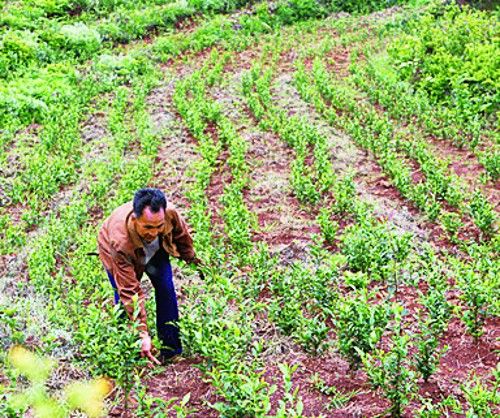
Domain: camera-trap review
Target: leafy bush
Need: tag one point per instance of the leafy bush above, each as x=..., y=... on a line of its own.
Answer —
x=122, y=68
x=29, y=98
x=19, y=49
x=345, y=194
x=80, y=39
x=327, y=225
x=481, y=400
x=391, y=372
x=450, y=53
x=359, y=325
x=221, y=6
x=482, y=213
x=361, y=6
x=370, y=247
x=102, y=7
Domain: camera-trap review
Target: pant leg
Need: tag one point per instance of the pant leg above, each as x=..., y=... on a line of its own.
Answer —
x=159, y=271
x=123, y=312
x=113, y=283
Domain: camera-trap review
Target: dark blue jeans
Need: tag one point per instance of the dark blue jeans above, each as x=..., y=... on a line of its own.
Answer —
x=159, y=272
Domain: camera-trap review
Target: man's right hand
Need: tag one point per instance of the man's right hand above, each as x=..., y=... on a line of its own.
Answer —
x=146, y=348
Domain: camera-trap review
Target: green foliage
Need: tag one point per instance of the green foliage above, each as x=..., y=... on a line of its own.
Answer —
x=29, y=99
x=432, y=409
x=371, y=247
x=359, y=324
x=436, y=303
x=291, y=404
x=344, y=191
x=450, y=54
x=476, y=295
x=360, y=6
x=79, y=39
x=302, y=183
x=481, y=400
x=121, y=69
x=112, y=343
x=327, y=225
x=451, y=223
x=490, y=159
x=390, y=371
x=483, y=214
x=218, y=6
x=427, y=356
x=19, y=49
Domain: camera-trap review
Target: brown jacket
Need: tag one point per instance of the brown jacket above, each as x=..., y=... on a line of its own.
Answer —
x=122, y=252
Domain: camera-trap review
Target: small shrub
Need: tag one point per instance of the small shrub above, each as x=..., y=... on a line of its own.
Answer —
x=483, y=214
x=80, y=39
x=371, y=247
x=391, y=372
x=359, y=325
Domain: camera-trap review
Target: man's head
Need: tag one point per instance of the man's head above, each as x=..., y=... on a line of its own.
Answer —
x=149, y=213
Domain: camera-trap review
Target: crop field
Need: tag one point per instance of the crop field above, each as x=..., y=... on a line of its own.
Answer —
x=338, y=164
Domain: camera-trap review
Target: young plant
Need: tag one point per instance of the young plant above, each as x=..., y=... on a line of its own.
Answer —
x=371, y=247
x=312, y=335
x=451, y=223
x=480, y=399
x=344, y=191
x=428, y=354
x=476, y=295
x=328, y=227
x=483, y=214
x=435, y=301
x=337, y=399
x=390, y=370
x=290, y=405
x=431, y=409
x=359, y=325
x=113, y=345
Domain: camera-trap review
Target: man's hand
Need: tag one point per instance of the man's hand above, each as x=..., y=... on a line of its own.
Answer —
x=146, y=348
x=198, y=263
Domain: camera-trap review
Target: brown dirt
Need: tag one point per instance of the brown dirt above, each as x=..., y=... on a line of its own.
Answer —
x=178, y=380
x=464, y=163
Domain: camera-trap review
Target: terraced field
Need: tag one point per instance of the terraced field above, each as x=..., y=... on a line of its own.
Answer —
x=344, y=207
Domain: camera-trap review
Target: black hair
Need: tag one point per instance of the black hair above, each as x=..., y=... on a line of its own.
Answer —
x=154, y=198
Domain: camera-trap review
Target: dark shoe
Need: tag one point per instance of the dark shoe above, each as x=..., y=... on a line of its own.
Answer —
x=169, y=358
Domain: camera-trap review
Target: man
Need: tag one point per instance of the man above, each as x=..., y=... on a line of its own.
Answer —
x=139, y=237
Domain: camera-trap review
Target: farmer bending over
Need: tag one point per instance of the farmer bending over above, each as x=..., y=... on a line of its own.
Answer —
x=139, y=237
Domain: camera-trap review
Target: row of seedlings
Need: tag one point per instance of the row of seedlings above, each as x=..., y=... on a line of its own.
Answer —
x=226, y=335
x=339, y=103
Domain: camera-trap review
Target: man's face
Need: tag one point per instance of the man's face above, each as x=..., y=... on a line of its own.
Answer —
x=149, y=225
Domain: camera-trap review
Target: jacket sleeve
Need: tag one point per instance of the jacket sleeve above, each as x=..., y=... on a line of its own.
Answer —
x=181, y=238
x=128, y=286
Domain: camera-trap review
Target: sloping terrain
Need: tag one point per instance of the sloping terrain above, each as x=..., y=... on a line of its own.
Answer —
x=346, y=219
